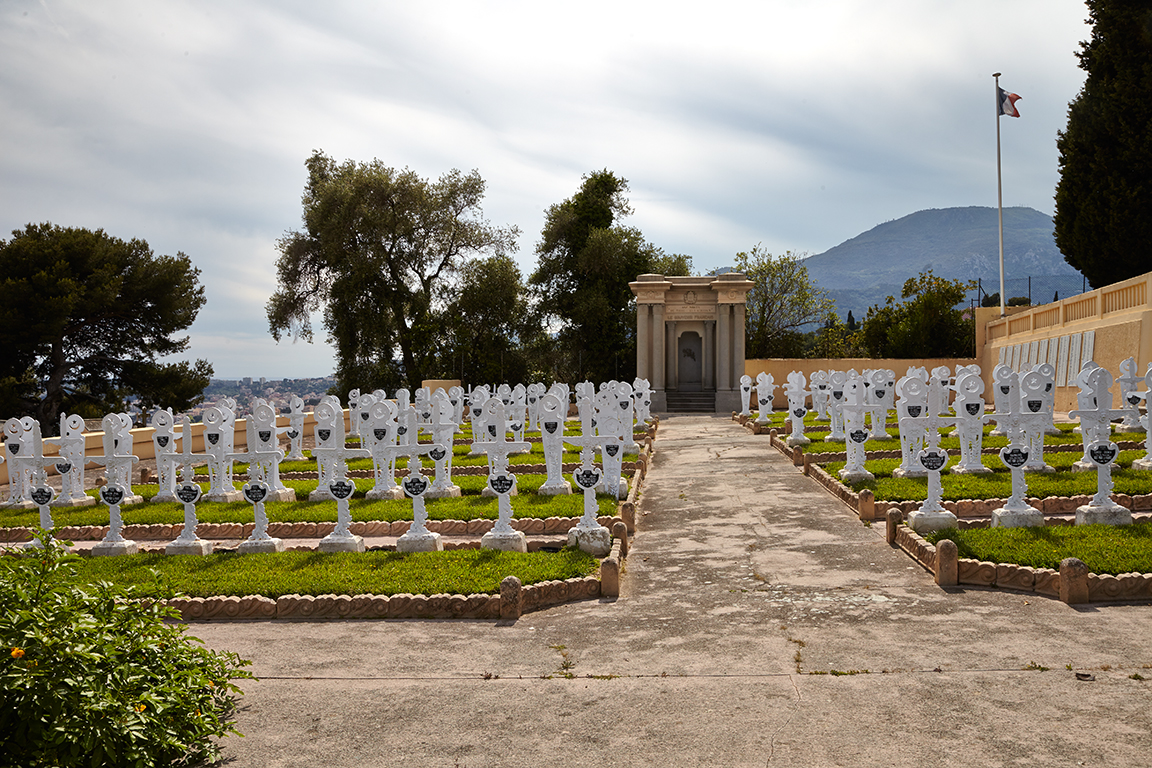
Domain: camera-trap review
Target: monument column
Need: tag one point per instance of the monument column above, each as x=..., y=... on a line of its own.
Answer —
x=737, y=342
x=643, y=353
x=724, y=349
x=672, y=356
x=731, y=291
x=709, y=349
x=650, y=291
x=658, y=337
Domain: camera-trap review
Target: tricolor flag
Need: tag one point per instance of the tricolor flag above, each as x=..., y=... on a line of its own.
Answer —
x=1006, y=103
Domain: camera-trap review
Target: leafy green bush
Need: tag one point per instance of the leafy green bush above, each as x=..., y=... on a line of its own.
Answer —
x=89, y=676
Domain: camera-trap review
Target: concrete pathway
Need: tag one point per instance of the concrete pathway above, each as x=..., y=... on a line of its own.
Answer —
x=748, y=595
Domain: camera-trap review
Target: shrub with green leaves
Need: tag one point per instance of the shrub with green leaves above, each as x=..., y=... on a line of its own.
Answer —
x=90, y=676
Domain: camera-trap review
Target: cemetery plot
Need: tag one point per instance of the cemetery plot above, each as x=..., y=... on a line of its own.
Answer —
x=385, y=436
x=998, y=483
x=460, y=572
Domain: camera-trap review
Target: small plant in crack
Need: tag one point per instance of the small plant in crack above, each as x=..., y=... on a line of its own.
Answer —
x=799, y=657
x=567, y=663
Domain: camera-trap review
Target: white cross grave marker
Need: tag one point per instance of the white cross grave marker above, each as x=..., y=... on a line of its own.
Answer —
x=188, y=492
x=765, y=387
x=932, y=516
x=1017, y=425
x=1101, y=451
x=501, y=482
x=71, y=464
x=854, y=412
x=255, y=492
x=113, y=543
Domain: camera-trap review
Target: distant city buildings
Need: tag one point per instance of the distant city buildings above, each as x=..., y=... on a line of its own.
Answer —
x=279, y=394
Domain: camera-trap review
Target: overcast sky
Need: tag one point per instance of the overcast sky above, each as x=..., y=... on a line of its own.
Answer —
x=795, y=124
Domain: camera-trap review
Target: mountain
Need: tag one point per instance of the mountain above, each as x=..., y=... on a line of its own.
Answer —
x=957, y=243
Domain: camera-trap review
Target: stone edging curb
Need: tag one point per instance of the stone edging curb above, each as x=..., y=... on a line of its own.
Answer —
x=1072, y=584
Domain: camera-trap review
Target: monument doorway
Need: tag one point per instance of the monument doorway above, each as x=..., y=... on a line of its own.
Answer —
x=690, y=366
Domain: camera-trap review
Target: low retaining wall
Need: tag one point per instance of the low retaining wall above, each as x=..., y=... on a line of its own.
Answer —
x=1073, y=583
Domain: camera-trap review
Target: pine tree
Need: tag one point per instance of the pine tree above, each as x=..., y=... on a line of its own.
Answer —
x=1104, y=198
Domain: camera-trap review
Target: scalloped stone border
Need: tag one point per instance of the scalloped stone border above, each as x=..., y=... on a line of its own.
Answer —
x=1072, y=584
x=533, y=597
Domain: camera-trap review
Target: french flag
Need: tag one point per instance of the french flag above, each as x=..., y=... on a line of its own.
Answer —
x=1006, y=103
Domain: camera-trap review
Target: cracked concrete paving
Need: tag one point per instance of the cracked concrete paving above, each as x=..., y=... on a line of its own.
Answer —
x=759, y=624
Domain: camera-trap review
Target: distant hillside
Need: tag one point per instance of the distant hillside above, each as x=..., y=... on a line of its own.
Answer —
x=957, y=243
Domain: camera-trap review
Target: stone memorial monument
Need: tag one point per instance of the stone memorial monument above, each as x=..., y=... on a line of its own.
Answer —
x=296, y=431
x=969, y=407
x=856, y=429
x=690, y=337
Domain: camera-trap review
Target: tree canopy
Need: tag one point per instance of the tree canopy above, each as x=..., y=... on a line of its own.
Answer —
x=586, y=260
x=783, y=301
x=491, y=333
x=84, y=320
x=377, y=249
x=926, y=324
x=1103, y=218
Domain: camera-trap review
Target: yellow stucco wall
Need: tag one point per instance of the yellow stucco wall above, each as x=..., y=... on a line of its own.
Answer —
x=1114, y=323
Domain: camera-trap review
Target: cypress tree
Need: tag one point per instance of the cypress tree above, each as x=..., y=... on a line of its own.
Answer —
x=1103, y=215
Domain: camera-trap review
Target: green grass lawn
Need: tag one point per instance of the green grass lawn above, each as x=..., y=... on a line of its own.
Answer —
x=1110, y=549
x=467, y=571
x=998, y=485
x=820, y=443
x=470, y=506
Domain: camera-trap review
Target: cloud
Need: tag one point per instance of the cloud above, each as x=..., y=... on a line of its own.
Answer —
x=798, y=125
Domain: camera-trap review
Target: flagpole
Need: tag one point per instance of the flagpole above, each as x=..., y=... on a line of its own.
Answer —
x=999, y=194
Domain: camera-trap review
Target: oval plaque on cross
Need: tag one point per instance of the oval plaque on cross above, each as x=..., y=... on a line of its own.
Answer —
x=189, y=493
x=933, y=460
x=437, y=453
x=415, y=485
x=111, y=495
x=255, y=492
x=41, y=495
x=1014, y=456
x=501, y=484
x=858, y=436
x=342, y=488
x=1103, y=453
x=586, y=478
